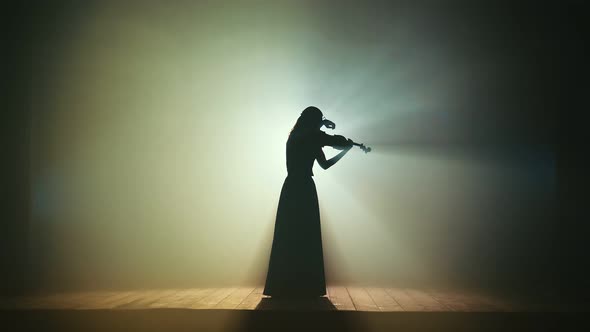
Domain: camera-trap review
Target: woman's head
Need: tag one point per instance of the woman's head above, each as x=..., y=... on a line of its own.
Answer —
x=309, y=120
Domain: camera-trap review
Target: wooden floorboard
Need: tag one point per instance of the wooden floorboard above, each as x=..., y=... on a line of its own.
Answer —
x=192, y=298
x=104, y=302
x=340, y=298
x=235, y=298
x=133, y=296
x=96, y=297
x=383, y=300
x=213, y=299
x=458, y=301
x=405, y=300
x=175, y=297
x=362, y=300
x=427, y=301
x=252, y=300
x=146, y=299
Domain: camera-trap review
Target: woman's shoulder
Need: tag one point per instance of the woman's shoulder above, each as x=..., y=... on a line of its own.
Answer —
x=321, y=138
x=318, y=134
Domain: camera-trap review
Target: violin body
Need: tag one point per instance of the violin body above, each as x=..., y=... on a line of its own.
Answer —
x=344, y=143
x=341, y=142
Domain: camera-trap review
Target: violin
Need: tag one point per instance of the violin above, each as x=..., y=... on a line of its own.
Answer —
x=343, y=142
x=331, y=125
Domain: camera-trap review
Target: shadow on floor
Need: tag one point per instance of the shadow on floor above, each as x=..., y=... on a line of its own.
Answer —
x=316, y=304
x=317, y=314
x=155, y=320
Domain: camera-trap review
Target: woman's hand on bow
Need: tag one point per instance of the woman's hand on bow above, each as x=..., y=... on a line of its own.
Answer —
x=328, y=124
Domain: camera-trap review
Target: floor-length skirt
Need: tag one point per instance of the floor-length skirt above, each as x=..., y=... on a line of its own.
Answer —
x=296, y=266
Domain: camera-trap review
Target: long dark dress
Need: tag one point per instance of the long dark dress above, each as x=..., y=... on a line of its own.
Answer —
x=296, y=267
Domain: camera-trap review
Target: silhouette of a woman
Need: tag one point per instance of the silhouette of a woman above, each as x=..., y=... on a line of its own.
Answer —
x=296, y=267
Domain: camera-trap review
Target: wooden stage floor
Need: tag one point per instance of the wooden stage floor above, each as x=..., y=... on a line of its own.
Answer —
x=242, y=309
x=251, y=298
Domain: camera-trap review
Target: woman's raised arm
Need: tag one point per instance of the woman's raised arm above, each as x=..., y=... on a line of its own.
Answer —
x=325, y=164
